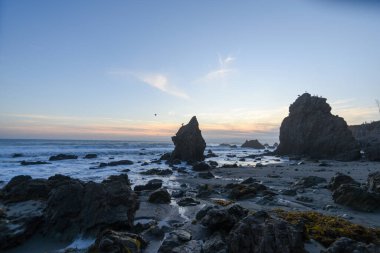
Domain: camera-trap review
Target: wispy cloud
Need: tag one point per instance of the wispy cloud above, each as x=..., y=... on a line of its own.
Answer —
x=224, y=70
x=156, y=80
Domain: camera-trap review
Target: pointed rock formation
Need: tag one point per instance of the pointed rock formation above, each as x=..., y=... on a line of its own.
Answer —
x=189, y=143
x=311, y=130
x=253, y=144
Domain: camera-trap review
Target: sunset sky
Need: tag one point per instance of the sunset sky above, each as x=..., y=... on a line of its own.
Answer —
x=102, y=69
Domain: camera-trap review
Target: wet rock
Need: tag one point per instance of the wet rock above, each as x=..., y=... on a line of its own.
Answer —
x=19, y=222
x=201, y=166
x=346, y=245
x=253, y=144
x=204, y=191
x=230, y=165
x=193, y=246
x=26, y=163
x=157, y=172
x=178, y=194
x=311, y=130
x=289, y=192
x=206, y=175
x=62, y=157
x=215, y=244
x=188, y=202
x=160, y=196
x=183, y=235
x=111, y=241
x=241, y=191
x=90, y=156
x=338, y=179
x=218, y=219
x=213, y=164
x=189, y=143
x=211, y=154
x=165, y=156
x=249, y=180
x=152, y=185
x=75, y=207
x=309, y=181
x=17, y=155
x=202, y=213
x=115, y=163
x=356, y=197
x=261, y=233
x=373, y=182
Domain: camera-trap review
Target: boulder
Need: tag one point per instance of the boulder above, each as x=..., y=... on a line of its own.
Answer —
x=347, y=245
x=338, y=179
x=187, y=201
x=152, y=185
x=253, y=144
x=222, y=219
x=309, y=181
x=356, y=197
x=260, y=233
x=189, y=143
x=110, y=241
x=373, y=182
x=160, y=196
x=201, y=166
x=90, y=156
x=116, y=163
x=26, y=163
x=75, y=207
x=62, y=157
x=215, y=244
x=311, y=130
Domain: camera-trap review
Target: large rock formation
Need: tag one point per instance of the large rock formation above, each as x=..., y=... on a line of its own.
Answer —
x=189, y=143
x=368, y=135
x=311, y=130
x=253, y=144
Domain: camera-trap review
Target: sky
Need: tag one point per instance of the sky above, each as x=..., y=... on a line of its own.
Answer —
x=103, y=69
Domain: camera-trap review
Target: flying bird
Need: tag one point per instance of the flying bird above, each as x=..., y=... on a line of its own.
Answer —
x=155, y=114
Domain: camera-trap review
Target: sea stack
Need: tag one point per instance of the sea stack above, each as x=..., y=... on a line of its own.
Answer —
x=189, y=143
x=253, y=144
x=311, y=130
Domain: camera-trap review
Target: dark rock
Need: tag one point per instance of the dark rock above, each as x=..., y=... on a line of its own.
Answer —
x=206, y=175
x=211, y=154
x=311, y=130
x=193, y=246
x=116, y=163
x=20, y=222
x=16, y=155
x=215, y=244
x=260, y=233
x=25, y=163
x=158, y=172
x=170, y=242
x=165, y=157
x=338, y=179
x=289, y=192
x=90, y=156
x=213, y=163
x=76, y=208
x=110, y=241
x=356, y=197
x=308, y=181
x=373, y=182
x=188, y=202
x=372, y=152
x=253, y=144
x=152, y=185
x=217, y=219
x=22, y=188
x=183, y=235
x=241, y=191
x=249, y=180
x=201, y=166
x=62, y=157
x=189, y=143
x=160, y=196
x=346, y=245
x=178, y=194
x=202, y=213
x=230, y=165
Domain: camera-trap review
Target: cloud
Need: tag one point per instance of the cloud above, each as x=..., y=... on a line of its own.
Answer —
x=155, y=80
x=222, y=72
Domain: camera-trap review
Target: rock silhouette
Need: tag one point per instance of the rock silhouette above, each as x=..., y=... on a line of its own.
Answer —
x=189, y=143
x=311, y=130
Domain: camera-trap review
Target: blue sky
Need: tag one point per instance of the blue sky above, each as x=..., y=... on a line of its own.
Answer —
x=102, y=69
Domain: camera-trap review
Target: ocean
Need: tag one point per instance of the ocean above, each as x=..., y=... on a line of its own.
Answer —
x=139, y=152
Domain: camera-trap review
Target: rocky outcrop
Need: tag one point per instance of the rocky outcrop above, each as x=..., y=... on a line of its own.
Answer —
x=152, y=185
x=373, y=182
x=189, y=143
x=75, y=207
x=160, y=196
x=261, y=233
x=347, y=245
x=253, y=144
x=311, y=130
x=368, y=135
x=111, y=241
x=222, y=219
x=62, y=157
x=340, y=179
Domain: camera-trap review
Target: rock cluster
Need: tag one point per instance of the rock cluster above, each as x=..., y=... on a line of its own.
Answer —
x=311, y=130
x=63, y=207
x=189, y=143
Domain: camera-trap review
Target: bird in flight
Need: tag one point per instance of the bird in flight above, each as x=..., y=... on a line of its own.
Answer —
x=155, y=114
